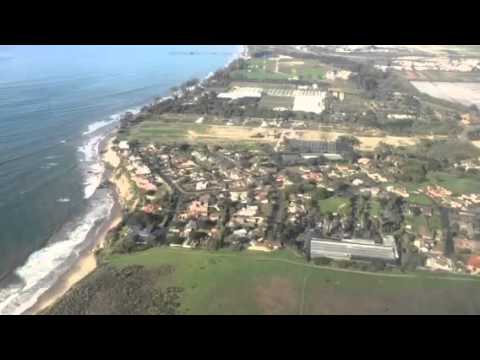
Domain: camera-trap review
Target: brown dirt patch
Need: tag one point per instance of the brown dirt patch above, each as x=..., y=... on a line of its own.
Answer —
x=277, y=296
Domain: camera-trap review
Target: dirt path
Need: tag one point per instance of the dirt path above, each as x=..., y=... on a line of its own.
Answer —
x=239, y=133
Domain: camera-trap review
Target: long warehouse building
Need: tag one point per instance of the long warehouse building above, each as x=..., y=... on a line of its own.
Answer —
x=354, y=249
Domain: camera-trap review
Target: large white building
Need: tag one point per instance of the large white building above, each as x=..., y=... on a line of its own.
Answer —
x=354, y=249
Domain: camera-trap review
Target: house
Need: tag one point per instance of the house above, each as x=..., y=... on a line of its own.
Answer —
x=191, y=226
x=337, y=93
x=400, y=116
x=123, y=145
x=239, y=196
x=439, y=263
x=141, y=169
x=144, y=184
x=248, y=211
x=374, y=191
x=398, y=191
x=357, y=182
x=240, y=233
x=376, y=177
x=241, y=92
x=364, y=161
x=201, y=185
x=473, y=264
x=199, y=156
x=437, y=191
x=198, y=208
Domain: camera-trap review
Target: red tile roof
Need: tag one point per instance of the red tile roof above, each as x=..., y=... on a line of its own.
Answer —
x=474, y=261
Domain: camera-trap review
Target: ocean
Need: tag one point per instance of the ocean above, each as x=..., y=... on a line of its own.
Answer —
x=57, y=103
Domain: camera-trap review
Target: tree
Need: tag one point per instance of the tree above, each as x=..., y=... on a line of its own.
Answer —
x=352, y=140
x=474, y=109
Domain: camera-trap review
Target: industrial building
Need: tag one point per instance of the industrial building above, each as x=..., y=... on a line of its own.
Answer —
x=354, y=249
x=320, y=147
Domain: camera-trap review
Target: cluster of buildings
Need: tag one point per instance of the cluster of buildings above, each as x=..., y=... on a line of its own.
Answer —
x=338, y=75
x=305, y=98
x=224, y=195
x=415, y=63
x=446, y=198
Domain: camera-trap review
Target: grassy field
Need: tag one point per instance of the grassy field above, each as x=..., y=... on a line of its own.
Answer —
x=157, y=131
x=375, y=208
x=265, y=70
x=419, y=199
x=271, y=102
x=450, y=76
x=424, y=225
x=283, y=283
x=259, y=70
x=465, y=50
x=334, y=204
x=457, y=185
x=263, y=85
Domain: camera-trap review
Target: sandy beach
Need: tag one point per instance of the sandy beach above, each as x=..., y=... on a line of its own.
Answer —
x=87, y=262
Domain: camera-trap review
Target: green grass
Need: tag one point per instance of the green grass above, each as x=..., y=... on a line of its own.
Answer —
x=162, y=132
x=271, y=102
x=258, y=75
x=334, y=204
x=423, y=224
x=283, y=283
x=260, y=70
x=419, y=199
x=310, y=69
x=375, y=208
x=458, y=185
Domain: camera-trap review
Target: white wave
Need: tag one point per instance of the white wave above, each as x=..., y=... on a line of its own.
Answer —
x=63, y=200
x=112, y=119
x=93, y=166
x=49, y=165
x=63, y=141
x=43, y=268
x=98, y=125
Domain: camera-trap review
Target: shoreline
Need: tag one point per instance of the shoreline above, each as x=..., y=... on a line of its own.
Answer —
x=86, y=263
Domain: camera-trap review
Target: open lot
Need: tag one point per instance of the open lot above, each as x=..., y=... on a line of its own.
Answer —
x=465, y=50
x=282, y=283
x=281, y=69
x=462, y=92
x=168, y=132
x=272, y=102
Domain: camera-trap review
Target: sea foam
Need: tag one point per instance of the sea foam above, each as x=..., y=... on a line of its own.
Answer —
x=112, y=119
x=43, y=268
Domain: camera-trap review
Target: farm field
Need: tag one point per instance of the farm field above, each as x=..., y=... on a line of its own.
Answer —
x=282, y=283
